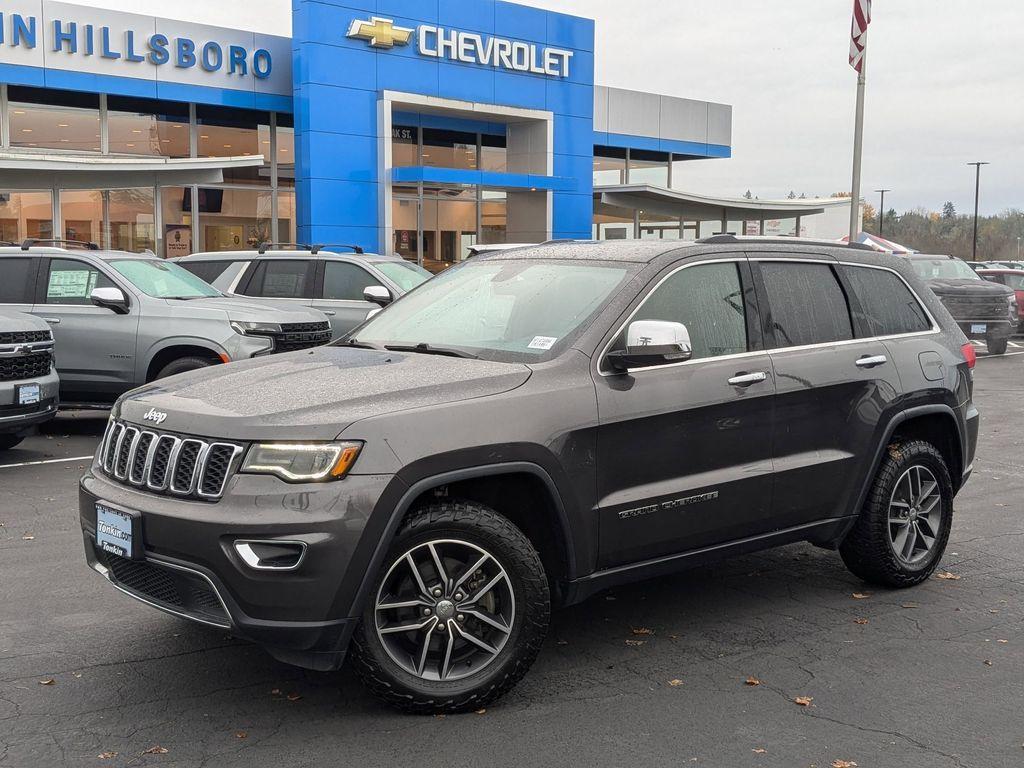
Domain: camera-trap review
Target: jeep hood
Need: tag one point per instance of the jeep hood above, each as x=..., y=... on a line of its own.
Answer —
x=315, y=394
x=965, y=286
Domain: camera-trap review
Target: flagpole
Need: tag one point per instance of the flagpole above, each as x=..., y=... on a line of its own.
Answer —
x=858, y=146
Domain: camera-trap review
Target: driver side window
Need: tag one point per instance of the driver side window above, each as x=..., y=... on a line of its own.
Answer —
x=708, y=299
x=71, y=282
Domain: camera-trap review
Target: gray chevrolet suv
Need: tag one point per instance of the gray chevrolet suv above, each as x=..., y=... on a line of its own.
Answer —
x=527, y=429
x=28, y=379
x=122, y=319
x=345, y=286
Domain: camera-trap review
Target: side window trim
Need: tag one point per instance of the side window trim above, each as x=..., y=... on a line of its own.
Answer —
x=749, y=290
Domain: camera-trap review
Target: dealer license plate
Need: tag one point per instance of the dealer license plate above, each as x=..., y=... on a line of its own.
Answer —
x=979, y=328
x=116, y=530
x=29, y=394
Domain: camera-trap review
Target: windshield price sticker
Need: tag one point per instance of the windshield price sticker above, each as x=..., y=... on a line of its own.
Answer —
x=542, y=342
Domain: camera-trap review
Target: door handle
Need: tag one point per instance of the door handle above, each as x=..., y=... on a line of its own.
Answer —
x=52, y=320
x=329, y=312
x=872, y=362
x=746, y=379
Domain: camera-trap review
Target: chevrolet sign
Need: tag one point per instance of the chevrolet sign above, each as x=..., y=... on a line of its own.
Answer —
x=466, y=47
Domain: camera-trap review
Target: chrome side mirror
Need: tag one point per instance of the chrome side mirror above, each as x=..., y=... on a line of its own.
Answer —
x=110, y=298
x=377, y=294
x=650, y=343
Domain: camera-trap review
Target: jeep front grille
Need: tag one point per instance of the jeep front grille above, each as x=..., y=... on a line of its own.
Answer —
x=171, y=465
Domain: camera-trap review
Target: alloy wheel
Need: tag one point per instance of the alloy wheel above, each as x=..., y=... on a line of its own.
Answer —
x=915, y=515
x=445, y=610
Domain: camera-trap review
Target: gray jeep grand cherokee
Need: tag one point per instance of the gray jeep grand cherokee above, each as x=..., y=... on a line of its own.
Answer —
x=527, y=429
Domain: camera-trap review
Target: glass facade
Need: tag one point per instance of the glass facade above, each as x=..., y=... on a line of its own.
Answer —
x=253, y=205
x=609, y=166
x=439, y=148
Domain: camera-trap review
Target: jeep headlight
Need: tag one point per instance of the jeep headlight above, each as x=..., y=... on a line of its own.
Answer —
x=247, y=328
x=302, y=462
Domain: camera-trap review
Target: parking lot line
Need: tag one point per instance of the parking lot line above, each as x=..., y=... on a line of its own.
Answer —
x=47, y=461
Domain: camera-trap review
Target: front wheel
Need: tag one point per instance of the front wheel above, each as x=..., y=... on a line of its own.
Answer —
x=904, y=527
x=183, y=365
x=997, y=346
x=458, y=613
x=10, y=441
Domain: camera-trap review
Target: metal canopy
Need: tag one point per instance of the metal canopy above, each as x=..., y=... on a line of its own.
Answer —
x=36, y=170
x=692, y=207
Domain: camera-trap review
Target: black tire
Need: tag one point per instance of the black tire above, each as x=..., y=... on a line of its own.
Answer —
x=869, y=549
x=183, y=365
x=10, y=441
x=484, y=528
x=997, y=346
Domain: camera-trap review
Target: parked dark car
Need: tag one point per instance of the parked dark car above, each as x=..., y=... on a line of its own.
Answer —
x=528, y=429
x=1012, y=279
x=982, y=309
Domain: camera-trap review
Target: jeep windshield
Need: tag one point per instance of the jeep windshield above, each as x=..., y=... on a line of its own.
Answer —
x=500, y=310
x=162, y=280
x=931, y=269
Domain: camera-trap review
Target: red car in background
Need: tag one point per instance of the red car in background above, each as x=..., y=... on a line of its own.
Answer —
x=1012, y=278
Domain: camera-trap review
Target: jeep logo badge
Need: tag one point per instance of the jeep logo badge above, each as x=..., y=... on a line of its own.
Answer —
x=157, y=417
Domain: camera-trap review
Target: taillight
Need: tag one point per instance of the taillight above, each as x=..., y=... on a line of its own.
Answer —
x=969, y=355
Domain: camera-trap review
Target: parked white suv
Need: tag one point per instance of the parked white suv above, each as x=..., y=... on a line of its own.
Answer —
x=121, y=320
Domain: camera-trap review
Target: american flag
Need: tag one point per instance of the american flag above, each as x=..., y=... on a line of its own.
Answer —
x=859, y=33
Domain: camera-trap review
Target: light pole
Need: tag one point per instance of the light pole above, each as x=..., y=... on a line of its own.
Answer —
x=881, y=211
x=977, y=194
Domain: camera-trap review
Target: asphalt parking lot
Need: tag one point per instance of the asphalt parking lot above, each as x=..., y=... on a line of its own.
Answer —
x=655, y=674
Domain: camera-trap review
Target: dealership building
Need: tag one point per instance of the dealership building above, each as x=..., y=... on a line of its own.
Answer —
x=416, y=127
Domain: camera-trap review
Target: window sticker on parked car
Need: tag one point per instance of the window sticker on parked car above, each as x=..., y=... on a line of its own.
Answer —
x=68, y=284
x=542, y=342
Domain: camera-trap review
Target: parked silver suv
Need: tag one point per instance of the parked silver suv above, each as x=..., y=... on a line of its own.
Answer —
x=28, y=380
x=121, y=319
x=346, y=287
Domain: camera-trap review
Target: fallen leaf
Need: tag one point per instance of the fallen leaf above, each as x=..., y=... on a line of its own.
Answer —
x=294, y=696
x=675, y=683
x=910, y=605
x=804, y=701
x=947, y=576
x=642, y=631
x=48, y=681
x=241, y=735
x=753, y=681
x=635, y=643
x=843, y=764
x=673, y=637
x=276, y=692
x=759, y=750
x=1002, y=641
x=439, y=717
x=28, y=537
x=77, y=674
x=106, y=755
x=156, y=751
x=860, y=621
x=480, y=712
x=988, y=662
x=861, y=595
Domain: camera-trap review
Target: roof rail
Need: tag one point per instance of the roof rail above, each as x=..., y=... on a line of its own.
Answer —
x=264, y=247
x=7, y=244
x=354, y=248
x=735, y=239
x=55, y=241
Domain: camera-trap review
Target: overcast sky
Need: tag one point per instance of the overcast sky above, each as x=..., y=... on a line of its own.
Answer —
x=944, y=87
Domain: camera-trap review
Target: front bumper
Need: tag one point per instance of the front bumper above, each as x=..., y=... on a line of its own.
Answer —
x=16, y=419
x=190, y=568
x=994, y=329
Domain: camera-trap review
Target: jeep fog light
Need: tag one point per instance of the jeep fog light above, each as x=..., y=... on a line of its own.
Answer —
x=302, y=463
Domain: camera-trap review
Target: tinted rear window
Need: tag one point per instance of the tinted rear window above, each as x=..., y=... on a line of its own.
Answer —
x=205, y=270
x=888, y=307
x=807, y=304
x=285, y=279
x=14, y=278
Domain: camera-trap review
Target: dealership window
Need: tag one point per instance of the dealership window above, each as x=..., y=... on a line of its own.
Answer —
x=648, y=168
x=121, y=219
x=285, y=145
x=449, y=149
x=147, y=127
x=405, y=141
x=449, y=227
x=609, y=166
x=493, y=217
x=228, y=132
x=493, y=153
x=654, y=226
x=48, y=119
x=233, y=219
x=24, y=215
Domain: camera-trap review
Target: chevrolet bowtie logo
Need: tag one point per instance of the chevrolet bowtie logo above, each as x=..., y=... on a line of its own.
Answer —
x=382, y=33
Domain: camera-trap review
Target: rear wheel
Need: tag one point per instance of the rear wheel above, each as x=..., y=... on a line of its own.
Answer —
x=997, y=346
x=904, y=527
x=457, y=615
x=183, y=365
x=10, y=441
